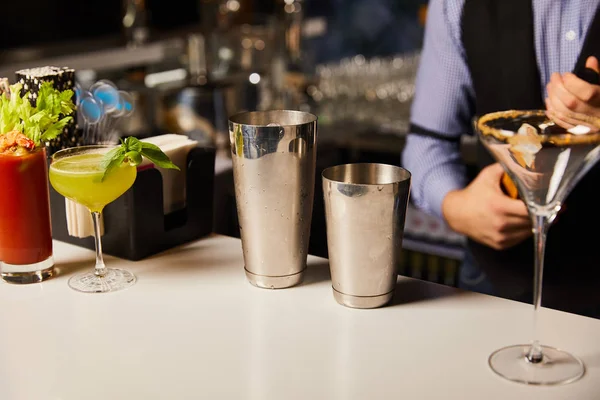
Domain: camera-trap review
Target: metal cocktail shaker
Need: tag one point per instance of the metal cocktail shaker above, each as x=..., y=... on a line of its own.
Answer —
x=365, y=208
x=274, y=156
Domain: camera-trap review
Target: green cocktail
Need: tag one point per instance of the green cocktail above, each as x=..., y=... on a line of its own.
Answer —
x=79, y=178
x=95, y=176
x=80, y=175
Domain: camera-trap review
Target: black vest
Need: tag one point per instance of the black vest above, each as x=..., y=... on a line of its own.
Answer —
x=498, y=37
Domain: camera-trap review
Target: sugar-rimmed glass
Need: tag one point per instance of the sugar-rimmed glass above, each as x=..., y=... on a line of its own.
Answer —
x=545, y=161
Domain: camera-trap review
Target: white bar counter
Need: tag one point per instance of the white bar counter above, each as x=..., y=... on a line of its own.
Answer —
x=194, y=328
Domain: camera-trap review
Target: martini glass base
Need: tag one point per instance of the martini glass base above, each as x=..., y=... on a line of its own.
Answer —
x=113, y=280
x=556, y=368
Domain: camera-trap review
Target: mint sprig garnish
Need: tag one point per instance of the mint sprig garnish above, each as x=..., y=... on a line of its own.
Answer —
x=132, y=151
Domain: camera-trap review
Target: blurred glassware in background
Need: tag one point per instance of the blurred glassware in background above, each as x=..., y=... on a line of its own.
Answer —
x=376, y=92
x=135, y=22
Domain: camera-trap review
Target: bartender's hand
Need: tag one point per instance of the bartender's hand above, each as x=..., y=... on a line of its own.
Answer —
x=484, y=213
x=572, y=101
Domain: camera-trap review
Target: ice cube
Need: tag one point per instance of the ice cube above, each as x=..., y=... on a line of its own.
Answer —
x=526, y=144
x=527, y=129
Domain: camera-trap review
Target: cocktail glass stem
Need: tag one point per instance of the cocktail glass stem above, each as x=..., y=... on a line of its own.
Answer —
x=100, y=269
x=541, y=224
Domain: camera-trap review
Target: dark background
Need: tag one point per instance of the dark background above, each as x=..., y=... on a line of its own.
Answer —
x=368, y=27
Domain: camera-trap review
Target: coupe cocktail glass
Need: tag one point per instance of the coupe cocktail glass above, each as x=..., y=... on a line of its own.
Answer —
x=77, y=173
x=545, y=161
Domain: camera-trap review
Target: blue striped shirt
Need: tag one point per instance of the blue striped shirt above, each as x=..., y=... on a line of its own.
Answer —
x=443, y=101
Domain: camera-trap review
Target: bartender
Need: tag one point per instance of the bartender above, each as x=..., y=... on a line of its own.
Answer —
x=482, y=56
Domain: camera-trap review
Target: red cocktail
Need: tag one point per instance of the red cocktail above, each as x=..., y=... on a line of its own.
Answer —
x=25, y=230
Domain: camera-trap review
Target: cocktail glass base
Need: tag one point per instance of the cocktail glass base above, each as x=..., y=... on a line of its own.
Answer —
x=556, y=368
x=111, y=281
x=30, y=273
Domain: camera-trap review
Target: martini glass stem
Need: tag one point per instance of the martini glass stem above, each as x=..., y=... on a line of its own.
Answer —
x=100, y=269
x=541, y=224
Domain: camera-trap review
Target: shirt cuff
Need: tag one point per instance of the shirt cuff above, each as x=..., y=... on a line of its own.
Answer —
x=443, y=184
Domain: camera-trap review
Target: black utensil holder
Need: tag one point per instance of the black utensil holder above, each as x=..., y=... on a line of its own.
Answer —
x=135, y=225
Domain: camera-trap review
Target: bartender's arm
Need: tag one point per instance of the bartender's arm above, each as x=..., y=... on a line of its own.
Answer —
x=441, y=112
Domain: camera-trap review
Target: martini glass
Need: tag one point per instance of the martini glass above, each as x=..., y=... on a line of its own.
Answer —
x=545, y=161
x=76, y=173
